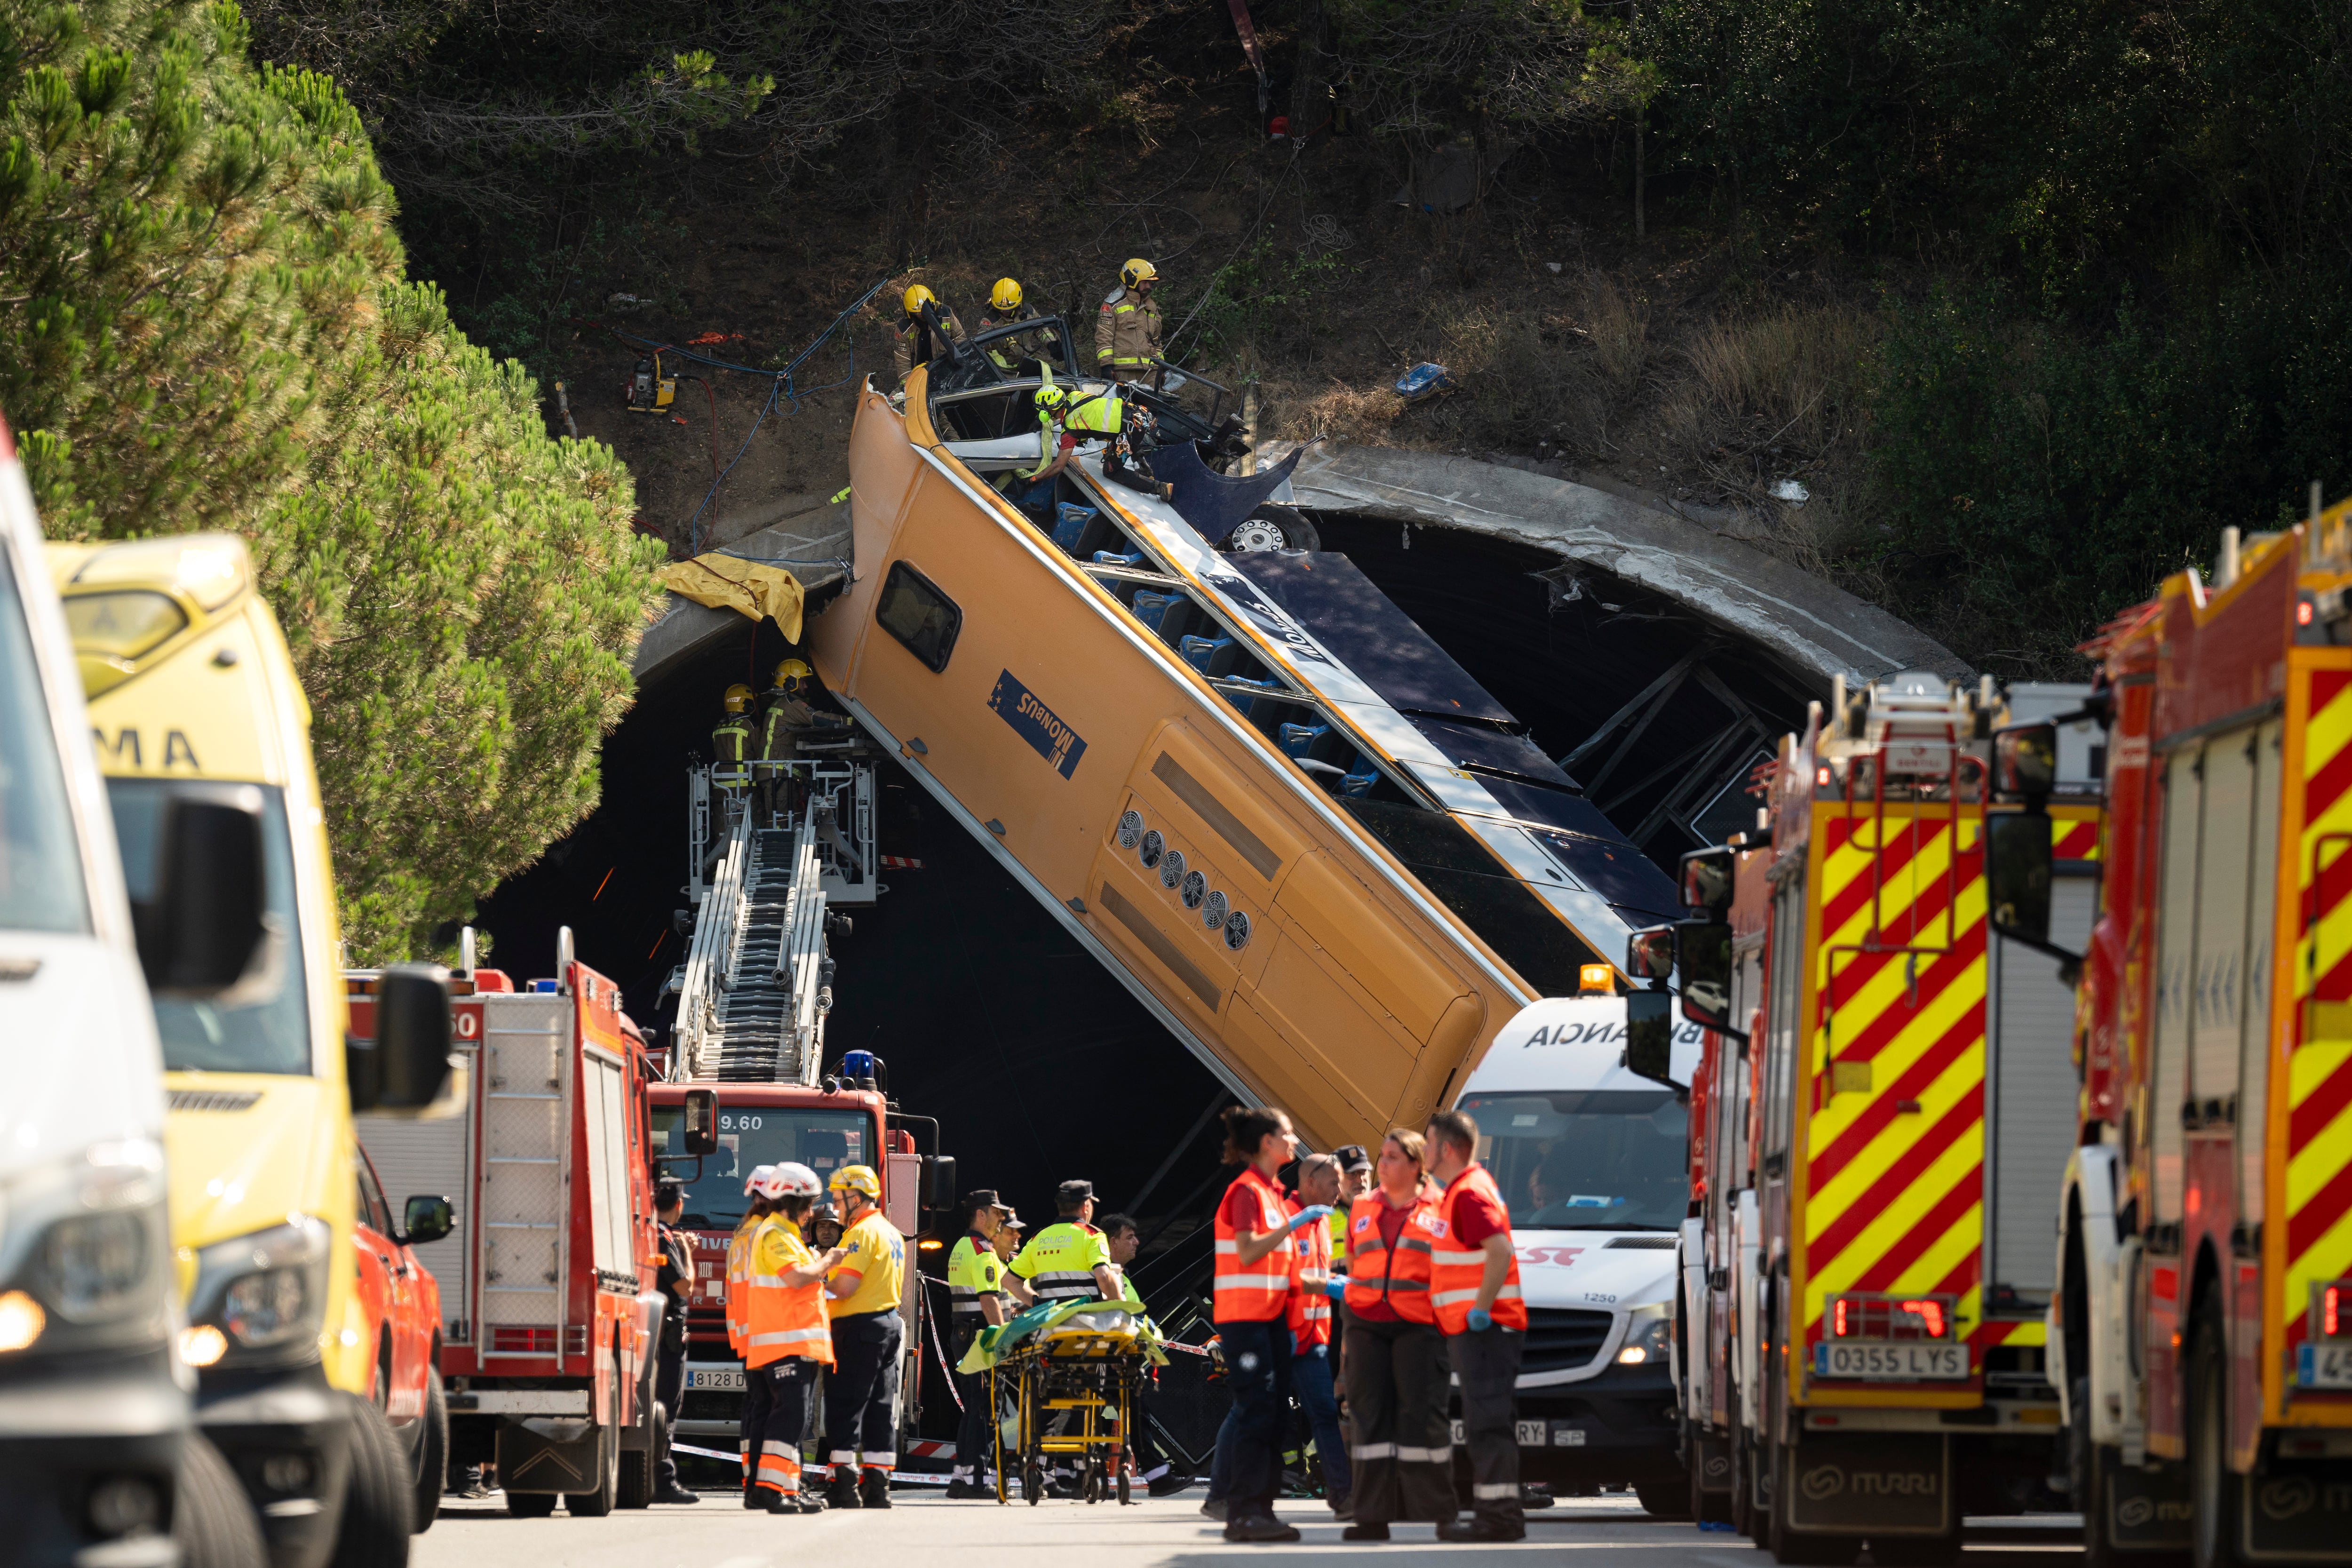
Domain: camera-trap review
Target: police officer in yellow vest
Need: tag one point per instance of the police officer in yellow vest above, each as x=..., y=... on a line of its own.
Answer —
x=976, y=1293
x=861, y=1397
x=1069, y=1261
x=731, y=740
x=1126, y=330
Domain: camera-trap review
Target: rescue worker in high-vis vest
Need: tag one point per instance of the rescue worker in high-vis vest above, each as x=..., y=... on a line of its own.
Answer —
x=739, y=1257
x=785, y=1339
x=1127, y=332
x=917, y=341
x=861, y=1397
x=1308, y=1314
x=1474, y=1285
x=1068, y=1261
x=1253, y=1259
x=1403, y=1460
x=977, y=1300
x=731, y=740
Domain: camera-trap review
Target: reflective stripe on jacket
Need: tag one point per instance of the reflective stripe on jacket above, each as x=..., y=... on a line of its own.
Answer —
x=1252, y=1292
x=1455, y=1274
x=1127, y=335
x=1095, y=414
x=782, y=1319
x=1309, y=1311
x=1373, y=1276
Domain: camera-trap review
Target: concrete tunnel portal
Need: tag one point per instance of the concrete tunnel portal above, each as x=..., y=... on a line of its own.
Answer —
x=1657, y=660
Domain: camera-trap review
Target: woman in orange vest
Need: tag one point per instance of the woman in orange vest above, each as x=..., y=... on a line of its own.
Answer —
x=1395, y=1366
x=1254, y=1260
x=785, y=1336
x=1474, y=1284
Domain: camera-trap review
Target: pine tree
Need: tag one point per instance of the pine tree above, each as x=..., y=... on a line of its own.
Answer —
x=202, y=325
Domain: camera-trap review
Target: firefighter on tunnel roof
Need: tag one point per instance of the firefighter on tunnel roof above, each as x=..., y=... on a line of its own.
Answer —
x=918, y=341
x=1126, y=330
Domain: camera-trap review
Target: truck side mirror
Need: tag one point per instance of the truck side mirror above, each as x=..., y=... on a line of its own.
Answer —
x=1650, y=1036
x=2025, y=762
x=701, y=1132
x=1650, y=953
x=404, y=1067
x=1706, y=882
x=1703, y=952
x=426, y=1219
x=197, y=932
x=2017, y=874
x=939, y=1183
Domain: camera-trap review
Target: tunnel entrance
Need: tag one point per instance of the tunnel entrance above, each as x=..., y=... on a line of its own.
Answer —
x=1038, y=1063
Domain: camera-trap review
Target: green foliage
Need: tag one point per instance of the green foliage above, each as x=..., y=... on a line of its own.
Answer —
x=202, y=326
x=2042, y=478
x=1265, y=296
x=462, y=594
x=1420, y=68
x=185, y=245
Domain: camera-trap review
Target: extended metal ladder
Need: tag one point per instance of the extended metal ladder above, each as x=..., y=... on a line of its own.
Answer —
x=758, y=983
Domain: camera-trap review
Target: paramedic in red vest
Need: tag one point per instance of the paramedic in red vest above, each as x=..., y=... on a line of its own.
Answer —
x=1312, y=1371
x=1474, y=1284
x=1251, y=1304
x=1402, y=1461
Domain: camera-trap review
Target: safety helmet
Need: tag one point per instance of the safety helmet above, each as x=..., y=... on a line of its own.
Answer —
x=739, y=697
x=917, y=297
x=759, y=1174
x=789, y=1180
x=1052, y=399
x=790, y=670
x=1006, y=295
x=858, y=1179
x=1137, y=270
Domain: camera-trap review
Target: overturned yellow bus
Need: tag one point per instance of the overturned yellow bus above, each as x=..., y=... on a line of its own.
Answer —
x=1329, y=861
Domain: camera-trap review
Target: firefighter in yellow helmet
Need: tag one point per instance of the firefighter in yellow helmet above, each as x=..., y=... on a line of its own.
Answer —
x=917, y=341
x=788, y=715
x=1127, y=332
x=1043, y=344
x=731, y=740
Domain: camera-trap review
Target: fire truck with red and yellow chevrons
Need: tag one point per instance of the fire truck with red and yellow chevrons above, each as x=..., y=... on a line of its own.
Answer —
x=2203, y=1330
x=1866, y=1270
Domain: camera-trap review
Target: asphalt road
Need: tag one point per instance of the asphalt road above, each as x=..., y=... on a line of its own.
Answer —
x=1169, y=1533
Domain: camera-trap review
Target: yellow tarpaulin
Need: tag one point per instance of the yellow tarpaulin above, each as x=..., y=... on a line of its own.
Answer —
x=729, y=582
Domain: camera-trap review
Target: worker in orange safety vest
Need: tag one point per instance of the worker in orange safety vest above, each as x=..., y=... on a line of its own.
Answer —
x=785, y=1338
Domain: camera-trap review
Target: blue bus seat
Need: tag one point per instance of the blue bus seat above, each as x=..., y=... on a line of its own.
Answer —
x=1070, y=520
x=1113, y=558
x=1164, y=613
x=1298, y=739
x=1210, y=655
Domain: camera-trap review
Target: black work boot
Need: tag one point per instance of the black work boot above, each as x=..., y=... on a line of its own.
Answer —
x=874, y=1488
x=841, y=1491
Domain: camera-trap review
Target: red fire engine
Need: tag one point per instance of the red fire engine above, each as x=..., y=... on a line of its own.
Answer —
x=2202, y=1333
x=1868, y=1260
x=549, y=1312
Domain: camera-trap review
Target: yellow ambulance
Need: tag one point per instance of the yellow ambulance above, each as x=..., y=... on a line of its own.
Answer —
x=194, y=703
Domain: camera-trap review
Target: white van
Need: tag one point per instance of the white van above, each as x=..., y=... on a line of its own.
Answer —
x=98, y=1461
x=1595, y=1165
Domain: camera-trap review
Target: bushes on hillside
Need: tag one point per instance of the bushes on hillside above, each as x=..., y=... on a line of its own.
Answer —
x=202, y=326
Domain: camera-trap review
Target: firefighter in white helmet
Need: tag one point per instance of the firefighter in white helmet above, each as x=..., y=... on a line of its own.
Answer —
x=785, y=1339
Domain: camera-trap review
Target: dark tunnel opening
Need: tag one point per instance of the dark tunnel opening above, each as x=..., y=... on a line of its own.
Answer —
x=1039, y=1064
